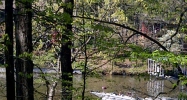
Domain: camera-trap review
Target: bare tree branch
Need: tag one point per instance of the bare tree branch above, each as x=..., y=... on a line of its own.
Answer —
x=130, y=37
x=126, y=27
x=179, y=24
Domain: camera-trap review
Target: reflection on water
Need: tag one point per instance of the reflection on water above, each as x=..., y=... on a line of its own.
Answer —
x=139, y=86
x=154, y=87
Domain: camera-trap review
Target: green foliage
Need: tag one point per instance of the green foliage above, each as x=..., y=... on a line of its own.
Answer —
x=102, y=28
x=182, y=96
x=169, y=57
x=26, y=1
x=183, y=80
x=26, y=75
x=78, y=65
x=46, y=59
x=102, y=40
x=135, y=48
x=6, y=40
x=39, y=80
x=26, y=55
x=1, y=45
x=174, y=85
x=137, y=52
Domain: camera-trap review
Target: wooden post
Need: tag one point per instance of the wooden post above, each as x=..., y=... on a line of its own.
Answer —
x=148, y=66
x=154, y=67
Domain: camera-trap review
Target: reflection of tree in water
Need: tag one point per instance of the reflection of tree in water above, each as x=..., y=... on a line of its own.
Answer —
x=154, y=87
x=2, y=87
x=77, y=78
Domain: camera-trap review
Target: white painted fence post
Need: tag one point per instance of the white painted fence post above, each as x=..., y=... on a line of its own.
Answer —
x=148, y=67
x=155, y=68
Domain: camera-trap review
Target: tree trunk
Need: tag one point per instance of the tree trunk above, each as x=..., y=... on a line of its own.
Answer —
x=65, y=54
x=52, y=91
x=24, y=64
x=9, y=60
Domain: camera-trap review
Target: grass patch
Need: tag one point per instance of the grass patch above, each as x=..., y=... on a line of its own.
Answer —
x=135, y=70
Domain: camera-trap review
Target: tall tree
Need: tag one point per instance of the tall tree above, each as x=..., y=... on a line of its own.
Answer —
x=9, y=60
x=24, y=64
x=65, y=53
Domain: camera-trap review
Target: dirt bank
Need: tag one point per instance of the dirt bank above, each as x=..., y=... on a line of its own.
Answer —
x=121, y=68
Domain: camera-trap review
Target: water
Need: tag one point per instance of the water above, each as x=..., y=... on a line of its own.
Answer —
x=134, y=86
x=139, y=86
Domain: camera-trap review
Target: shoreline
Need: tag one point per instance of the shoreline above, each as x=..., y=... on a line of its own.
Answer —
x=120, y=71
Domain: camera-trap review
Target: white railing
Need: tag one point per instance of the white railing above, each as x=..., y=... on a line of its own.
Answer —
x=154, y=68
x=184, y=69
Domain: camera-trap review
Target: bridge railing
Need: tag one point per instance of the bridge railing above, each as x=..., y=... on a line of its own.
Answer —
x=154, y=68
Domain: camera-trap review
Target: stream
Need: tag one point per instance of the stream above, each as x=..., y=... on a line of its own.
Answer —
x=140, y=86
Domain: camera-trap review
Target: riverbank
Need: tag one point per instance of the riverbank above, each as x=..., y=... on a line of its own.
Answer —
x=111, y=68
x=133, y=71
x=127, y=68
x=121, y=68
x=124, y=71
